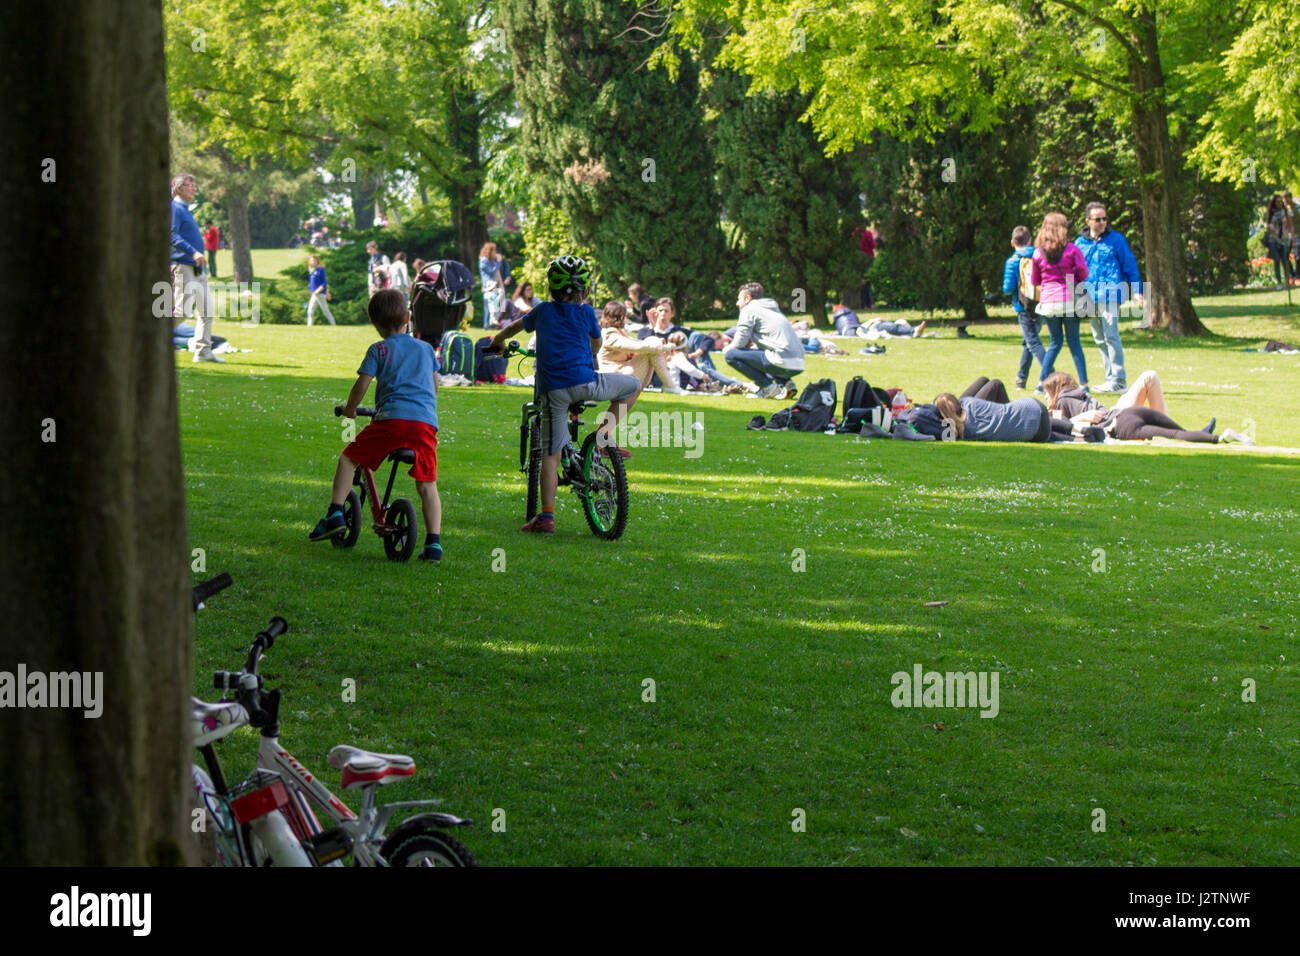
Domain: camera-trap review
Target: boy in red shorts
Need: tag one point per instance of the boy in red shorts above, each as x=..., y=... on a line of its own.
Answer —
x=406, y=416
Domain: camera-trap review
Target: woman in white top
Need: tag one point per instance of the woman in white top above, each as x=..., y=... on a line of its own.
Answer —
x=524, y=299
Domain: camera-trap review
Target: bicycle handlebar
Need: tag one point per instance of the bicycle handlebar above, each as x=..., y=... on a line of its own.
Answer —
x=362, y=410
x=205, y=589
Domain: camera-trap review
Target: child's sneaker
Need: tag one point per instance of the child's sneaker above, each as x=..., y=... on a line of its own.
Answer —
x=329, y=526
x=541, y=524
x=431, y=552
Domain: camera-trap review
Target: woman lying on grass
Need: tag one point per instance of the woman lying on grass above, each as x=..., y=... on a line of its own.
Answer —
x=1139, y=414
x=985, y=413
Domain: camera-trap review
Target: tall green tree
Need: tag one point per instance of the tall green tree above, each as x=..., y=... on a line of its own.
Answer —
x=406, y=87
x=620, y=149
x=794, y=207
x=944, y=211
x=912, y=67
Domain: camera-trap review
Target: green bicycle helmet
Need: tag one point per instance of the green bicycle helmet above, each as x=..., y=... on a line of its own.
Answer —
x=568, y=274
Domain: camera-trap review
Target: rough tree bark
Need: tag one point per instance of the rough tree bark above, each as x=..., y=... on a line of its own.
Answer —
x=466, y=213
x=1168, y=299
x=93, y=574
x=241, y=244
x=363, y=201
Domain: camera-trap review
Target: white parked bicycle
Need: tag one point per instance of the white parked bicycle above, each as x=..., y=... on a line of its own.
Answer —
x=268, y=819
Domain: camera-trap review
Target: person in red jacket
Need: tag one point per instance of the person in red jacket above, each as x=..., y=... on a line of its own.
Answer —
x=211, y=242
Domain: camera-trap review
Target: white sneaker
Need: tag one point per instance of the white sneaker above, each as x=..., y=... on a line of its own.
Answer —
x=208, y=357
x=1231, y=436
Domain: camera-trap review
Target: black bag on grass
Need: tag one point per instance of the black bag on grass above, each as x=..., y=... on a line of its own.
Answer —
x=815, y=407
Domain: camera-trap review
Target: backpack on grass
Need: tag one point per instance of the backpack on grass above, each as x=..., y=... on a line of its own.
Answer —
x=815, y=407
x=459, y=356
x=490, y=368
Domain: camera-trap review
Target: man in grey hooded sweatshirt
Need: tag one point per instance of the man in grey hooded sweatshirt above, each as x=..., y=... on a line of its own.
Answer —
x=766, y=347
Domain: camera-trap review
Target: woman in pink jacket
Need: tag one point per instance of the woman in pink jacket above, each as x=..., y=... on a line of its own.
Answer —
x=1058, y=269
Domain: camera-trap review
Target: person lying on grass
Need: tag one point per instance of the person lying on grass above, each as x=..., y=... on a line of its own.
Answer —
x=567, y=340
x=1139, y=414
x=406, y=416
x=985, y=413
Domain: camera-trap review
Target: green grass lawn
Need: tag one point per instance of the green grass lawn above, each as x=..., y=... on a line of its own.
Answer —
x=522, y=691
x=268, y=263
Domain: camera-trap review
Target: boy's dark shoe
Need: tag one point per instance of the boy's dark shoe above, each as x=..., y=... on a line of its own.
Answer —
x=329, y=526
x=541, y=524
x=432, y=552
x=962, y=333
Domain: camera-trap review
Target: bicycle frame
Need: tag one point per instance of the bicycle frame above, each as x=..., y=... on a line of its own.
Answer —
x=365, y=831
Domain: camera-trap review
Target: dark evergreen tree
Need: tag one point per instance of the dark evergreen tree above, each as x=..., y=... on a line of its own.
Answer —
x=620, y=148
x=944, y=211
x=794, y=208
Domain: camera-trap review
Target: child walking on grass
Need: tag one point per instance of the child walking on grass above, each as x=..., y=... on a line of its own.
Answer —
x=567, y=339
x=406, y=416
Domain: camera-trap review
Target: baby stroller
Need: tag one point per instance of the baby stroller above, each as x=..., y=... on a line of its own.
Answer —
x=439, y=296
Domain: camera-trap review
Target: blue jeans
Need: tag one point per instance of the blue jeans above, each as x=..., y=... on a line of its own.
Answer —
x=1064, y=328
x=753, y=364
x=705, y=365
x=1105, y=332
x=1033, y=347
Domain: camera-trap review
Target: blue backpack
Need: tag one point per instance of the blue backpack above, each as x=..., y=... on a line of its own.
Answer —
x=458, y=354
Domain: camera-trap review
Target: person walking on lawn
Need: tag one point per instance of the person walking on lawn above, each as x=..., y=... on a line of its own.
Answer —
x=1112, y=275
x=1022, y=245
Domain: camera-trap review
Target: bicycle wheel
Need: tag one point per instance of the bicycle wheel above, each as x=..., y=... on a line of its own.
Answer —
x=431, y=848
x=534, y=469
x=352, y=515
x=604, y=501
x=400, y=543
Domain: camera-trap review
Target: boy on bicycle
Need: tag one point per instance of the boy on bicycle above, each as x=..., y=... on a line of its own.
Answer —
x=406, y=416
x=568, y=339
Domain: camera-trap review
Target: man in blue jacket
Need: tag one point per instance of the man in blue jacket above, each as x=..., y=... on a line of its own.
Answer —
x=1112, y=274
x=1021, y=243
x=189, y=279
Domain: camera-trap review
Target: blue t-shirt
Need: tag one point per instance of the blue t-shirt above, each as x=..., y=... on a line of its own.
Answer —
x=564, y=333
x=316, y=279
x=403, y=370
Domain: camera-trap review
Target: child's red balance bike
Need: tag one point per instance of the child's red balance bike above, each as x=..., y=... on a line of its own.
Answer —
x=396, y=523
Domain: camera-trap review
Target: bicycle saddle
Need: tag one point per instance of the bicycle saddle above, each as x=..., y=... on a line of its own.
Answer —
x=404, y=455
x=361, y=767
x=211, y=722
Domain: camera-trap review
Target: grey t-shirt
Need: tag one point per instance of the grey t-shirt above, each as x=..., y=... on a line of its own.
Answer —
x=989, y=421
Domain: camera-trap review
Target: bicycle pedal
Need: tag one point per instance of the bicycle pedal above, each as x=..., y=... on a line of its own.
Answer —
x=329, y=846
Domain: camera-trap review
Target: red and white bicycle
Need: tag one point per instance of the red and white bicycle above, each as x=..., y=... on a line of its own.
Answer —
x=268, y=819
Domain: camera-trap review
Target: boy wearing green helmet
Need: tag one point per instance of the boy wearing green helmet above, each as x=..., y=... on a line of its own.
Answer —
x=568, y=339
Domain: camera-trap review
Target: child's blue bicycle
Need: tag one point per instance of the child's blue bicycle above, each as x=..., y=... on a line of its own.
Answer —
x=596, y=475
x=395, y=522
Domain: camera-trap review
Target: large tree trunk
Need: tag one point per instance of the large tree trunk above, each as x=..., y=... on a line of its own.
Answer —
x=466, y=214
x=363, y=201
x=93, y=574
x=241, y=247
x=1168, y=300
